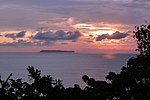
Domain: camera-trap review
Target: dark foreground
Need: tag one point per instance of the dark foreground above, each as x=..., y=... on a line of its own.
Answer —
x=132, y=83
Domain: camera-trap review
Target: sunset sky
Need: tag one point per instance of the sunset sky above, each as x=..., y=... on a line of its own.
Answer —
x=87, y=26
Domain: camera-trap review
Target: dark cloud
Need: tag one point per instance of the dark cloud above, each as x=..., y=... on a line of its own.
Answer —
x=14, y=35
x=40, y=38
x=23, y=43
x=116, y=35
x=16, y=43
x=58, y=35
x=6, y=44
x=10, y=35
x=21, y=34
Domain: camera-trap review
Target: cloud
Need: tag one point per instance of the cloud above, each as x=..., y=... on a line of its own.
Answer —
x=40, y=39
x=25, y=13
x=116, y=35
x=141, y=0
x=14, y=35
x=24, y=43
x=10, y=35
x=58, y=35
x=21, y=34
x=16, y=43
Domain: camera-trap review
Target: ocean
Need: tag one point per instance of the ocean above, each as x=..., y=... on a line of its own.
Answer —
x=68, y=67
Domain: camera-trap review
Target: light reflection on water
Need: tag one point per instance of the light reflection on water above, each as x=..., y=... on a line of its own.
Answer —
x=110, y=56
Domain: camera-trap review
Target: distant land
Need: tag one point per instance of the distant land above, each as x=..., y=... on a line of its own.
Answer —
x=55, y=51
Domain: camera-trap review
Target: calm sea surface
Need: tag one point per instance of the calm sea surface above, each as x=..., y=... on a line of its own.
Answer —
x=69, y=67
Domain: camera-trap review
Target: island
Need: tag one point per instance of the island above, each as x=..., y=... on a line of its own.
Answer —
x=57, y=51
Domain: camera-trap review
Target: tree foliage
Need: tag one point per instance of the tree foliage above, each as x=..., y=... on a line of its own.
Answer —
x=142, y=35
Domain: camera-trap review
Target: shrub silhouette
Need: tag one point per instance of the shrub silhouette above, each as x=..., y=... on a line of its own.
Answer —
x=132, y=83
x=142, y=35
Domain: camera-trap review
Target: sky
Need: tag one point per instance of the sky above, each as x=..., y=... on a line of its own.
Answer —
x=86, y=26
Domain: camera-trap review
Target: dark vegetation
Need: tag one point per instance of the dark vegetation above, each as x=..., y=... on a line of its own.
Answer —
x=132, y=83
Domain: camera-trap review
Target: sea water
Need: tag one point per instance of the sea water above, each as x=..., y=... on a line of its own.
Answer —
x=68, y=67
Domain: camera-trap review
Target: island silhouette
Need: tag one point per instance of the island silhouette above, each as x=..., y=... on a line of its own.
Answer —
x=57, y=51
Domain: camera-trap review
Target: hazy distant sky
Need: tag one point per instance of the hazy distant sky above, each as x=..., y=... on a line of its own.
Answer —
x=81, y=25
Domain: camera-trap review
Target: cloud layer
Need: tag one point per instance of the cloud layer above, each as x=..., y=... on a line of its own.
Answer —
x=116, y=35
x=92, y=15
x=28, y=13
x=17, y=43
x=58, y=35
x=25, y=43
x=40, y=38
x=15, y=35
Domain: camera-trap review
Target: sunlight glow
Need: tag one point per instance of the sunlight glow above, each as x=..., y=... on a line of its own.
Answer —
x=109, y=56
x=101, y=32
x=106, y=30
x=95, y=30
x=84, y=26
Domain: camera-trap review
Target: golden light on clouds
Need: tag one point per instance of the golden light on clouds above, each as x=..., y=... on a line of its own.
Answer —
x=94, y=29
x=104, y=30
x=84, y=26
